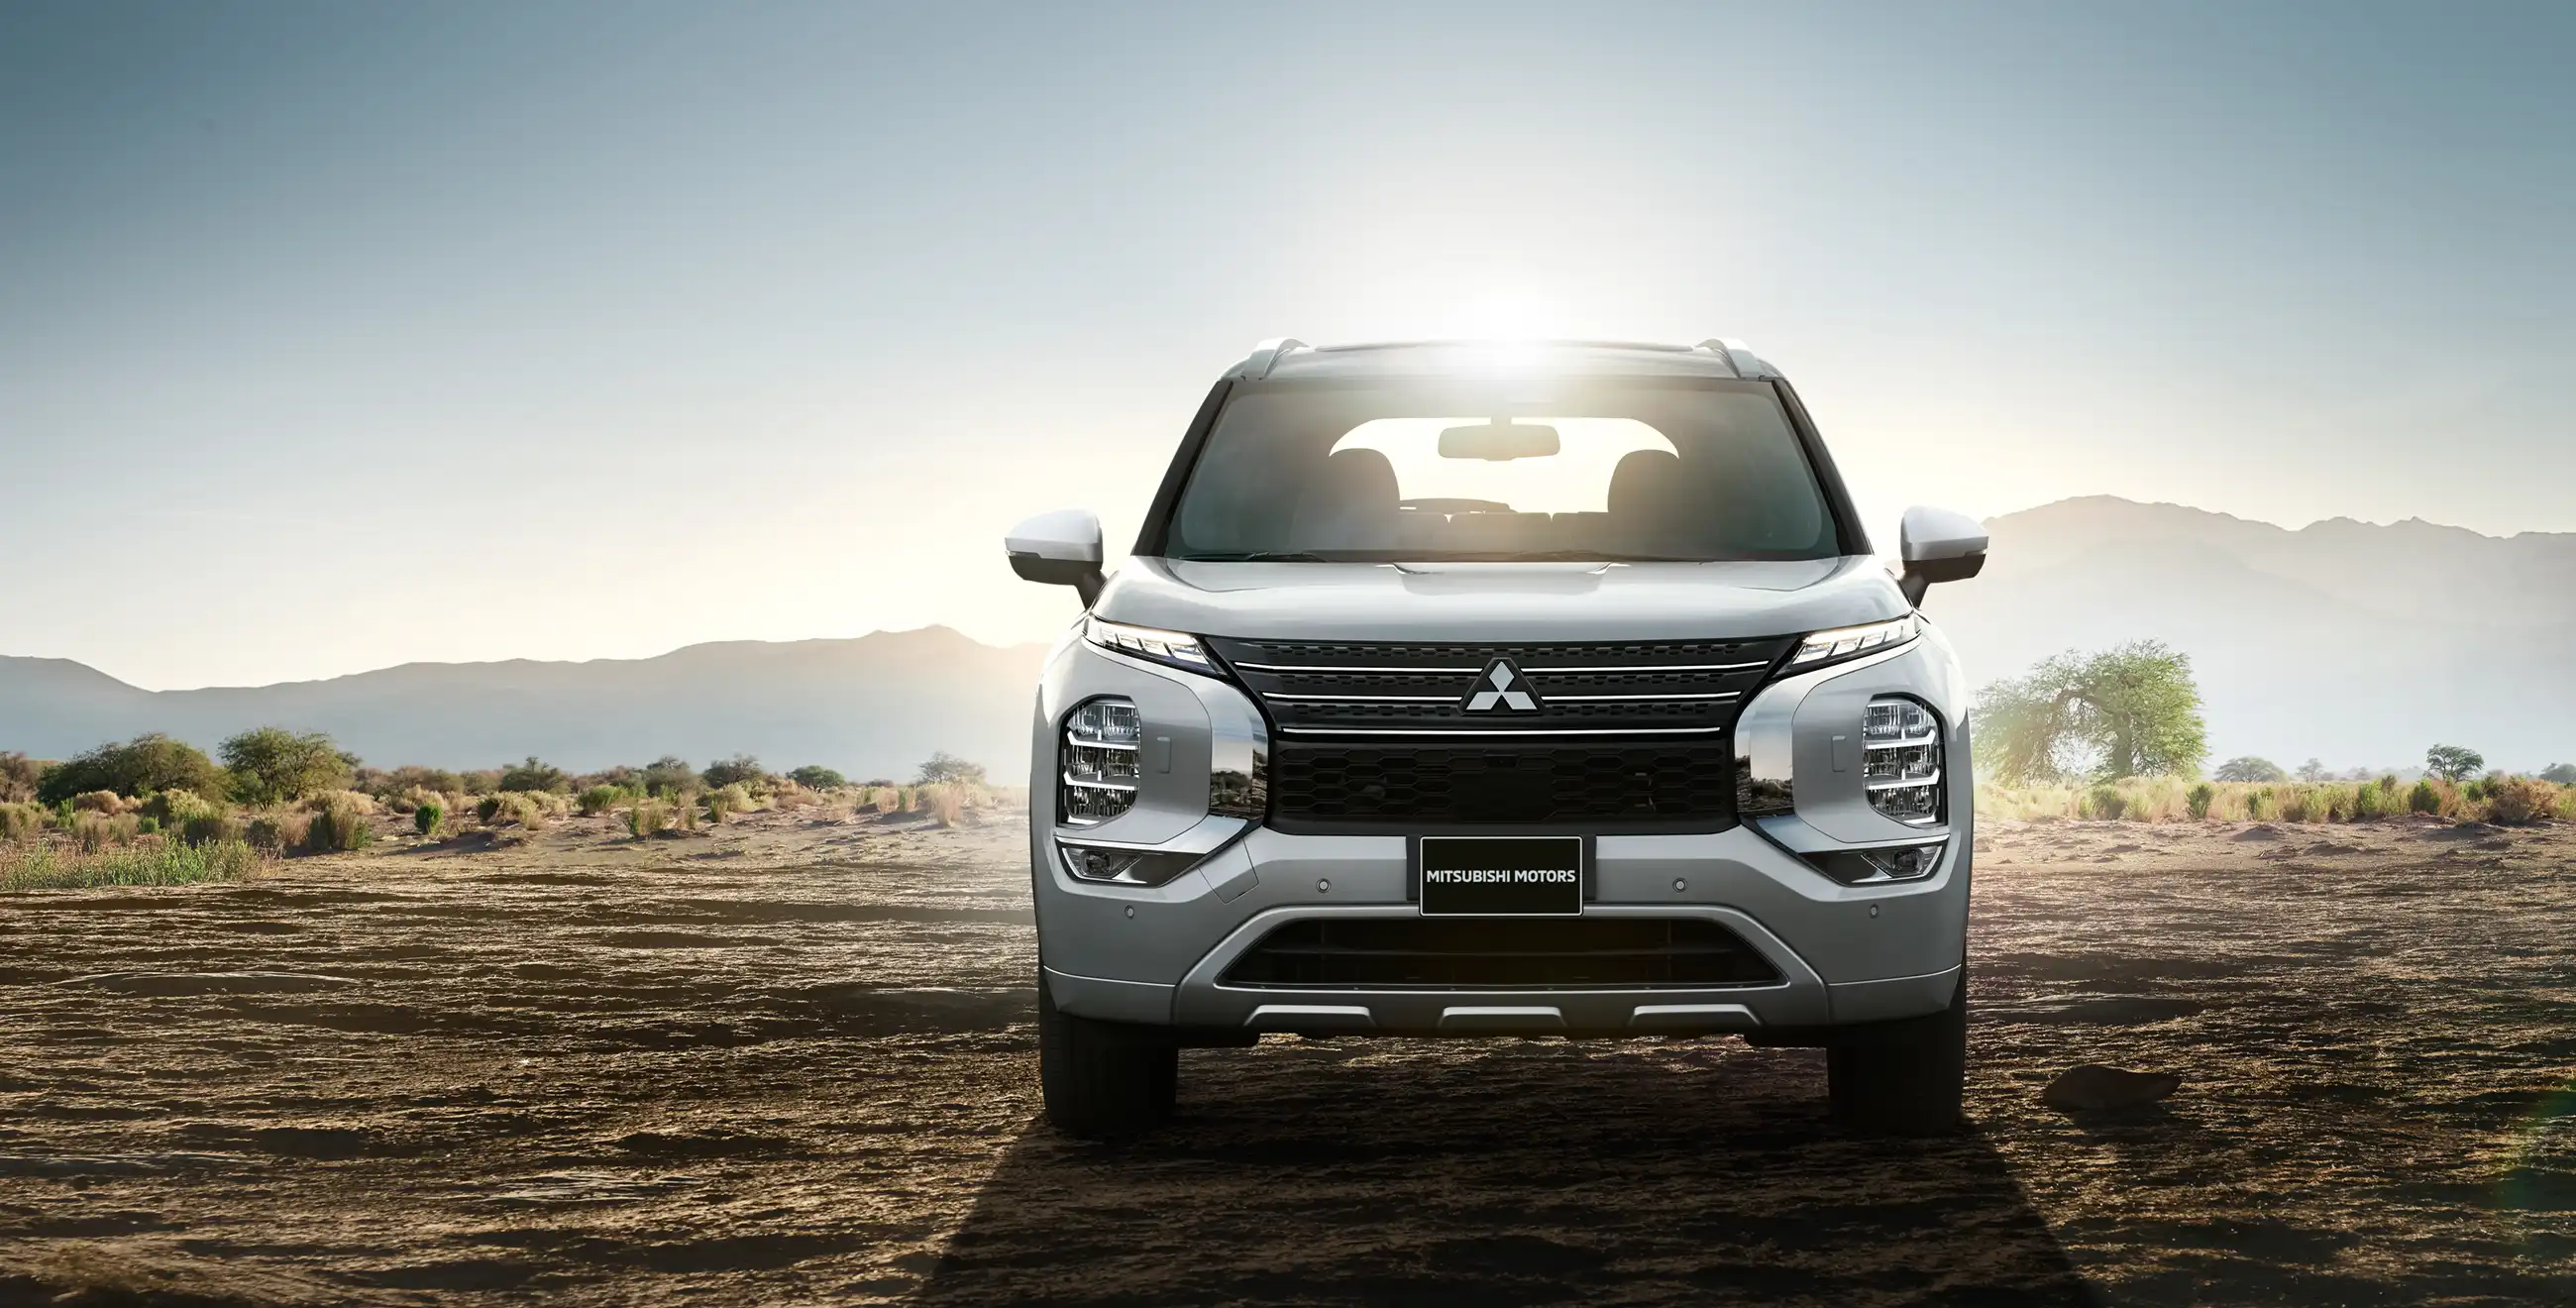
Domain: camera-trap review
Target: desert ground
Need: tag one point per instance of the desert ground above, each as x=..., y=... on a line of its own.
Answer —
x=791, y=1061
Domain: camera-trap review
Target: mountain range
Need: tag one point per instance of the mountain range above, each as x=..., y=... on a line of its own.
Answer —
x=874, y=706
x=2354, y=643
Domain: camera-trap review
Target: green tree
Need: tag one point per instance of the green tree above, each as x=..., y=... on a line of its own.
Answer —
x=741, y=768
x=2563, y=774
x=2249, y=767
x=272, y=764
x=815, y=776
x=133, y=768
x=2453, y=763
x=2312, y=771
x=668, y=775
x=2124, y=712
x=944, y=766
x=534, y=775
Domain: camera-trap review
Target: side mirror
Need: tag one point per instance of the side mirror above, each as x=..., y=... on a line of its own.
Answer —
x=1938, y=545
x=1059, y=549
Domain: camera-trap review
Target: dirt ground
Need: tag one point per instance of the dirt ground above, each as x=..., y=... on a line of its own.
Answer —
x=794, y=1063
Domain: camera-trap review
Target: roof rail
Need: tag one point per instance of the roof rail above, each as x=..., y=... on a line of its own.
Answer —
x=1265, y=356
x=1740, y=357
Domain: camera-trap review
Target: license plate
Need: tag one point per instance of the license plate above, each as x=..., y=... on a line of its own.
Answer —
x=1502, y=876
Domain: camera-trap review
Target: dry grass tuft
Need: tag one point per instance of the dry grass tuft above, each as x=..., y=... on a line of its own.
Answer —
x=148, y=863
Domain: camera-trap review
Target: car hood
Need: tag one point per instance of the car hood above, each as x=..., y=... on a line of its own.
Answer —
x=1501, y=601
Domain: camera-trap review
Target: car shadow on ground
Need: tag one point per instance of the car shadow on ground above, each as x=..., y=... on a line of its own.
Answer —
x=1506, y=1173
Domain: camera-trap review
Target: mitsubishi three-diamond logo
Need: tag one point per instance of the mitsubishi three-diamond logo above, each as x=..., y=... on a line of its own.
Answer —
x=1502, y=688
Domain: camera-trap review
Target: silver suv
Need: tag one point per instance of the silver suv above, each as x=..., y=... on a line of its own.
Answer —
x=1507, y=690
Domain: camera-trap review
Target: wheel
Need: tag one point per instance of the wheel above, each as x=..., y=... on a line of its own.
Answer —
x=1103, y=1078
x=1903, y=1077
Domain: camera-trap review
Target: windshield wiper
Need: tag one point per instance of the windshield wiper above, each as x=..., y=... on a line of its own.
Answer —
x=1262, y=556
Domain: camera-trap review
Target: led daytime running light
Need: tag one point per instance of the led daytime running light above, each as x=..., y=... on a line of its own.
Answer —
x=1852, y=642
x=1178, y=649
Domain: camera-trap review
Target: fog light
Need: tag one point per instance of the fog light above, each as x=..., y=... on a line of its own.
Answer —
x=1126, y=867
x=1854, y=867
x=1099, y=762
x=1901, y=746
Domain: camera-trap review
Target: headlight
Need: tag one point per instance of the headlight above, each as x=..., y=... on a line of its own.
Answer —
x=1125, y=867
x=1851, y=642
x=1098, y=767
x=1174, y=648
x=1900, y=744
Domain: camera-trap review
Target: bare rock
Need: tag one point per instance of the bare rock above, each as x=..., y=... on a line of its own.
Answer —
x=2259, y=831
x=2094, y=1087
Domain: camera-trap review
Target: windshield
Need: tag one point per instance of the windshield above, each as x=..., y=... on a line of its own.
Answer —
x=1666, y=469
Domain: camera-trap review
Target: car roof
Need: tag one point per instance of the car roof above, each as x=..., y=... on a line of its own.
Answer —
x=1287, y=358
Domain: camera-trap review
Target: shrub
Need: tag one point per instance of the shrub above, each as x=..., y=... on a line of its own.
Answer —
x=277, y=832
x=355, y=799
x=147, y=826
x=136, y=767
x=647, y=817
x=425, y=818
x=489, y=808
x=89, y=833
x=2424, y=798
x=739, y=769
x=339, y=827
x=210, y=828
x=684, y=813
x=600, y=799
x=272, y=765
x=814, y=776
x=19, y=777
x=2369, y=801
x=2103, y=804
x=2516, y=801
x=174, y=808
x=946, y=801
x=533, y=775
x=18, y=821
x=2200, y=798
x=107, y=802
x=727, y=799
x=2388, y=783
x=887, y=799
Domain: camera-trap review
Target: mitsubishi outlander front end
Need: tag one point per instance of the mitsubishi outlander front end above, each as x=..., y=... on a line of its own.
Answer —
x=1501, y=690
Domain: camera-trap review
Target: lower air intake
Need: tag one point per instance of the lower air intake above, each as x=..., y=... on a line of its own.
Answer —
x=1589, y=953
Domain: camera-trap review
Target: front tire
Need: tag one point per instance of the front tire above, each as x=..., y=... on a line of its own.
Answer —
x=1905, y=1077
x=1103, y=1078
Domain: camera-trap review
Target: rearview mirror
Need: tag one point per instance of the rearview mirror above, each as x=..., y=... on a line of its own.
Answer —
x=1938, y=545
x=1498, y=440
x=1059, y=549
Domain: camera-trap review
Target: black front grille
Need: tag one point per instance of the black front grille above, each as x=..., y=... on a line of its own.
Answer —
x=1340, y=783
x=1651, y=687
x=1500, y=953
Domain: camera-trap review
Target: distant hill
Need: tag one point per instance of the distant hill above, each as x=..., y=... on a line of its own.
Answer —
x=2353, y=643
x=874, y=706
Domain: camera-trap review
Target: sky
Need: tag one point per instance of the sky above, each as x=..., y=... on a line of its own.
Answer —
x=338, y=336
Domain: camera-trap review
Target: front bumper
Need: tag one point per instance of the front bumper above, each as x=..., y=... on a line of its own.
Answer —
x=1156, y=956
x=1844, y=954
